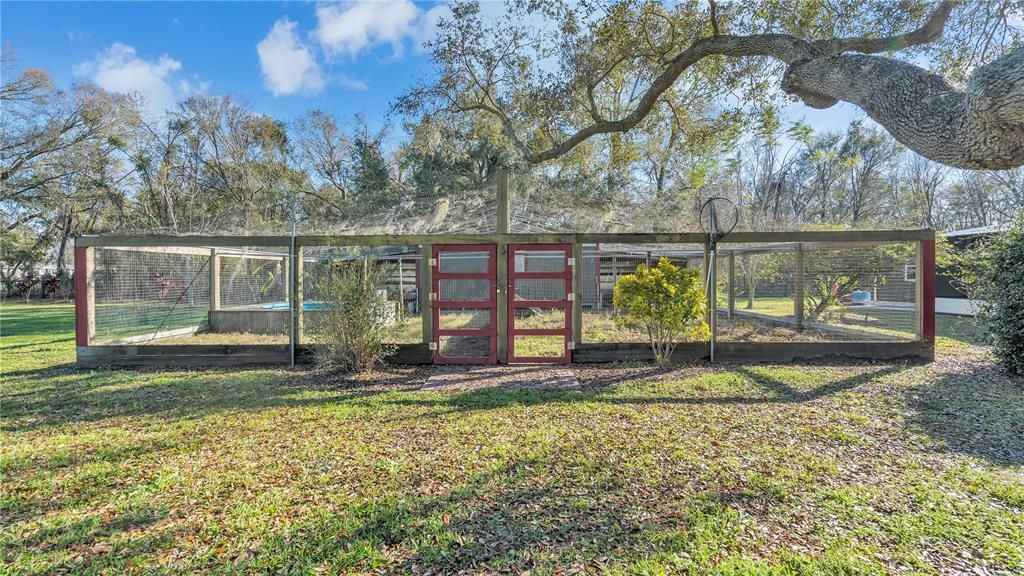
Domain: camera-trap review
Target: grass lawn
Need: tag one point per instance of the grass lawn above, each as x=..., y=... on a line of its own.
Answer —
x=766, y=469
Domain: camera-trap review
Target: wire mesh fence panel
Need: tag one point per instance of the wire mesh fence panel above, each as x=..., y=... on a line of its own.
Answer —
x=148, y=295
x=399, y=267
x=603, y=267
x=763, y=295
x=861, y=292
x=254, y=279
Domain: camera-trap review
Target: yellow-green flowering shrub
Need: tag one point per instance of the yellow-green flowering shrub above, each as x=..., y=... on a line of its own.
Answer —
x=666, y=302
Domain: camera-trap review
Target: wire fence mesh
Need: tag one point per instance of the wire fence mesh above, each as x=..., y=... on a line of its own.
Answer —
x=850, y=292
x=603, y=266
x=766, y=292
x=400, y=265
x=144, y=294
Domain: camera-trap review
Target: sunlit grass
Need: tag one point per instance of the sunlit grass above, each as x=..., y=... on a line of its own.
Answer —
x=767, y=469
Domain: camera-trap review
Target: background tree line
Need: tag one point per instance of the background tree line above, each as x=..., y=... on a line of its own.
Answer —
x=83, y=161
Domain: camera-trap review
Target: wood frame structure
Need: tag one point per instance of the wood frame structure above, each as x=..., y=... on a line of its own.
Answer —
x=90, y=354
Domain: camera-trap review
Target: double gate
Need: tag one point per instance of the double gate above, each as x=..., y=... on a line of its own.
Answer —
x=465, y=296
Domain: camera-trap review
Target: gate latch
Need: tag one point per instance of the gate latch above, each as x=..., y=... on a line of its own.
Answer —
x=432, y=346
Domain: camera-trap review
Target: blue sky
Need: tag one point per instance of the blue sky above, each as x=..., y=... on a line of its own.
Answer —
x=347, y=59
x=282, y=57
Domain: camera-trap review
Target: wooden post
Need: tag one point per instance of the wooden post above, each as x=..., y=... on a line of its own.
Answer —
x=298, y=295
x=426, y=285
x=732, y=284
x=798, y=288
x=85, y=296
x=286, y=278
x=401, y=290
x=647, y=261
x=924, y=281
x=615, y=280
x=577, y=289
x=707, y=283
x=214, y=279
x=502, y=303
x=504, y=211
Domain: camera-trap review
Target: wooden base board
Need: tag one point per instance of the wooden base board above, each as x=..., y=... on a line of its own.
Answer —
x=191, y=355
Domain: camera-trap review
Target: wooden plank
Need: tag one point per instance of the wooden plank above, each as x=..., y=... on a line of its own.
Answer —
x=250, y=321
x=204, y=241
x=207, y=241
x=830, y=236
x=182, y=350
x=756, y=351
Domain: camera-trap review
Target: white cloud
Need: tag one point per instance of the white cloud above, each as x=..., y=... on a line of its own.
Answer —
x=352, y=83
x=348, y=29
x=120, y=69
x=288, y=65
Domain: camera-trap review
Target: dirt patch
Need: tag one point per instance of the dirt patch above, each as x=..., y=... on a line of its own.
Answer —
x=448, y=378
x=384, y=378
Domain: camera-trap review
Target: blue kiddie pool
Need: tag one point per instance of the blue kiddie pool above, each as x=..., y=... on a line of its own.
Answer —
x=860, y=296
x=305, y=306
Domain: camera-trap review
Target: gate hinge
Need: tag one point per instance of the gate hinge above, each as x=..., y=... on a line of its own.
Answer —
x=572, y=296
x=432, y=346
x=432, y=262
x=572, y=261
x=432, y=296
x=571, y=345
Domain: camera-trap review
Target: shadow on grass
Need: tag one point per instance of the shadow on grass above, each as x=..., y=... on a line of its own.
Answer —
x=523, y=516
x=96, y=395
x=977, y=410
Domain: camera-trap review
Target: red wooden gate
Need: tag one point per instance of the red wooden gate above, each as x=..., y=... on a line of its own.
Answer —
x=465, y=304
x=539, y=309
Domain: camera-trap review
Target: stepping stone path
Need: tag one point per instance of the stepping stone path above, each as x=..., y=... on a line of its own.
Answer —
x=450, y=378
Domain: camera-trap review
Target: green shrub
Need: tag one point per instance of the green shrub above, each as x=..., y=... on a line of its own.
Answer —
x=357, y=318
x=993, y=273
x=666, y=301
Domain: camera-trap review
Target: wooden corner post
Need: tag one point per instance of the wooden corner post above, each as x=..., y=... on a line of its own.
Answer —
x=426, y=285
x=577, y=289
x=798, y=288
x=925, y=292
x=504, y=210
x=214, y=279
x=502, y=301
x=732, y=284
x=297, y=295
x=85, y=296
x=503, y=226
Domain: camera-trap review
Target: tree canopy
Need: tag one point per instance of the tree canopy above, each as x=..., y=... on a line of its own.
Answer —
x=556, y=74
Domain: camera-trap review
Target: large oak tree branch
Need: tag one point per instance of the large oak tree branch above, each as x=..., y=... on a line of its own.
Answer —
x=980, y=128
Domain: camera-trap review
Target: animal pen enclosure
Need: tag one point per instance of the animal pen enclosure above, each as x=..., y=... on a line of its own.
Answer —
x=500, y=297
x=486, y=298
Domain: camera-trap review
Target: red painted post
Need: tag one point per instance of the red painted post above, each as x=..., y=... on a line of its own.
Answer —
x=81, y=296
x=927, y=273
